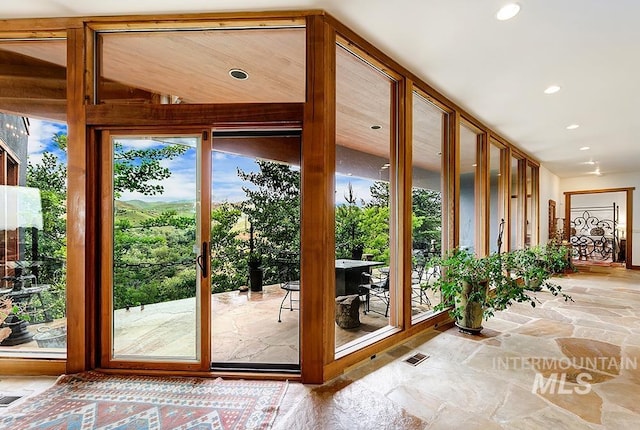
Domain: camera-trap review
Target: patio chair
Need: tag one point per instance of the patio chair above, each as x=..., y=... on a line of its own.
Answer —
x=418, y=282
x=288, y=268
x=377, y=287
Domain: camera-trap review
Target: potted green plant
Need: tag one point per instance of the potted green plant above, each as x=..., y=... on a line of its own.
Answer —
x=557, y=257
x=529, y=267
x=254, y=261
x=6, y=308
x=475, y=287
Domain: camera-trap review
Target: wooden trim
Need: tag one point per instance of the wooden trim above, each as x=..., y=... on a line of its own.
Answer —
x=202, y=362
x=450, y=183
x=508, y=192
x=522, y=202
x=629, y=215
x=220, y=21
x=504, y=195
x=32, y=367
x=317, y=238
x=482, y=195
x=78, y=275
x=602, y=190
x=203, y=329
x=405, y=161
x=369, y=352
x=397, y=197
x=363, y=54
x=226, y=375
x=32, y=32
x=535, y=201
x=431, y=99
x=106, y=249
x=93, y=251
x=231, y=114
x=30, y=26
x=629, y=231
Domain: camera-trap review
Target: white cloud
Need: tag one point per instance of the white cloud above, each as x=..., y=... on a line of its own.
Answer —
x=40, y=134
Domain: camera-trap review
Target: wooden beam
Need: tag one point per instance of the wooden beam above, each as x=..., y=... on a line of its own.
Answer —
x=32, y=88
x=55, y=110
x=33, y=71
x=79, y=310
x=235, y=114
x=317, y=310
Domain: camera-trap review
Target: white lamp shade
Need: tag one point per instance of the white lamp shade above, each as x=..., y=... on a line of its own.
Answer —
x=20, y=207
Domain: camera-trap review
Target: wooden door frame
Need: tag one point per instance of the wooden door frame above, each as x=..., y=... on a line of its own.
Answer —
x=163, y=119
x=202, y=361
x=629, y=217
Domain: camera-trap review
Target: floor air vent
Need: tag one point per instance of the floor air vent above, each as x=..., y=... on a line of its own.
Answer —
x=416, y=358
x=7, y=400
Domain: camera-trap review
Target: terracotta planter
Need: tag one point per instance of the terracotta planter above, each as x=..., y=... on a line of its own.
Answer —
x=470, y=320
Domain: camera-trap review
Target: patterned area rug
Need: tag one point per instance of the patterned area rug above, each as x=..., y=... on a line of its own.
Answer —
x=93, y=400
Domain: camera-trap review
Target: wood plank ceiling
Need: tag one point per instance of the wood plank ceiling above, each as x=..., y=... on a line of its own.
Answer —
x=193, y=67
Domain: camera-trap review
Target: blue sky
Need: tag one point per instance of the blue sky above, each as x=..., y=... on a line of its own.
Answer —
x=181, y=186
x=40, y=139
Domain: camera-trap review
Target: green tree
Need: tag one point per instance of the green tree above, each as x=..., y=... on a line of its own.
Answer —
x=228, y=251
x=427, y=218
x=350, y=240
x=273, y=208
x=135, y=170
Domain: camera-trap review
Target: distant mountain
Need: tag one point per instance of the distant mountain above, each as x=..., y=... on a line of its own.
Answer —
x=137, y=211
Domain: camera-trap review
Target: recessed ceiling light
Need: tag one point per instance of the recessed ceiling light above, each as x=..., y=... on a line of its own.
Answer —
x=585, y=148
x=552, y=89
x=589, y=163
x=376, y=127
x=572, y=126
x=238, y=74
x=508, y=11
x=474, y=165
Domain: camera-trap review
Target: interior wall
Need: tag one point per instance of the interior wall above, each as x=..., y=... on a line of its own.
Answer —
x=618, y=180
x=549, y=190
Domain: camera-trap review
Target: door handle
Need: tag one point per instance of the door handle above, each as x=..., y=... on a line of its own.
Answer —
x=202, y=260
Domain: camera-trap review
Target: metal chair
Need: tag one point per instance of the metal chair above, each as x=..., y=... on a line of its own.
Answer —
x=377, y=287
x=288, y=269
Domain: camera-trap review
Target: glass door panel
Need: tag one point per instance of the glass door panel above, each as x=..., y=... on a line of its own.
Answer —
x=154, y=234
x=255, y=249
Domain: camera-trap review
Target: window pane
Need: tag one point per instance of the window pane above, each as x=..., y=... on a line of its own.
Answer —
x=496, y=203
x=363, y=183
x=517, y=215
x=33, y=194
x=426, y=190
x=468, y=166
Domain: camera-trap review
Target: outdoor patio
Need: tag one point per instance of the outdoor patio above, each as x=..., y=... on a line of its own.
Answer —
x=245, y=328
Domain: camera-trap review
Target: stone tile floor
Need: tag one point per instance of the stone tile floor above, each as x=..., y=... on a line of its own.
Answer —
x=498, y=380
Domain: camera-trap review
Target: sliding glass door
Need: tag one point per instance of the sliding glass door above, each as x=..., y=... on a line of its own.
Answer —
x=255, y=249
x=152, y=224
x=201, y=266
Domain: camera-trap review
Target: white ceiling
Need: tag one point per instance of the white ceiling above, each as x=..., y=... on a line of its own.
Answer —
x=496, y=70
